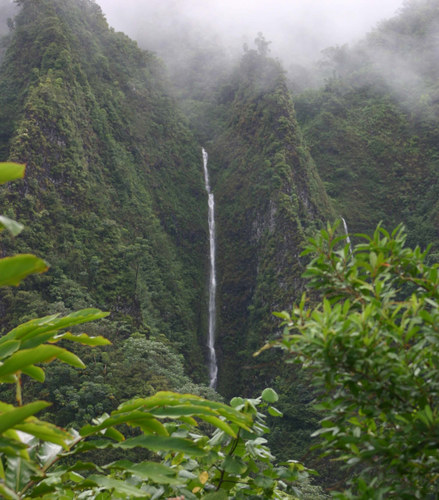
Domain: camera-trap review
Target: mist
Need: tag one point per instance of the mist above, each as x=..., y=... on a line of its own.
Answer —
x=298, y=29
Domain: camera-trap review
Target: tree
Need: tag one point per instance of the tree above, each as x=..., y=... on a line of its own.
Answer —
x=262, y=45
x=372, y=347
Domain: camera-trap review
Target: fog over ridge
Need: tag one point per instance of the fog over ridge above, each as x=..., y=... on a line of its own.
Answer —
x=299, y=29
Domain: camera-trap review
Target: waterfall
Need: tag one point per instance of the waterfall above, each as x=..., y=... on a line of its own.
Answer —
x=347, y=234
x=213, y=367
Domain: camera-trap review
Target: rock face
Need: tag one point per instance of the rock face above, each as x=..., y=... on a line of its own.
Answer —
x=113, y=195
x=269, y=196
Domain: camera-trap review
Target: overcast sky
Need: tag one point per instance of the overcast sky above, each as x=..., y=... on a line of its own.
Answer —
x=302, y=26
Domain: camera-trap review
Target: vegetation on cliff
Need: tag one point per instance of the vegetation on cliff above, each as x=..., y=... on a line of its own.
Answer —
x=114, y=183
x=268, y=195
x=373, y=127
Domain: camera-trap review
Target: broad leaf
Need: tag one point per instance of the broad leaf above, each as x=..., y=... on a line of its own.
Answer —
x=10, y=171
x=115, y=485
x=220, y=424
x=8, y=348
x=15, y=416
x=35, y=372
x=46, y=432
x=153, y=471
x=234, y=465
x=163, y=399
x=11, y=446
x=14, y=269
x=54, y=323
x=162, y=443
x=18, y=473
x=269, y=395
x=216, y=495
x=41, y=354
x=114, y=434
x=274, y=412
x=83, y=339
x=136, y=418
x=12, y=226
x=8, y=493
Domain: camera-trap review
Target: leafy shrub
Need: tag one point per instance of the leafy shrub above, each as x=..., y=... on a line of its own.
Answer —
x=371, y=346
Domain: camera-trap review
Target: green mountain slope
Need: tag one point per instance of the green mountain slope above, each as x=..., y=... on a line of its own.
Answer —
x=113, y=194
x=373, y=128
x=268, y=196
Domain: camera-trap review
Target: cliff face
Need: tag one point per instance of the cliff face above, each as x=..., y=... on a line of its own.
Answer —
x=269, y=196
x=113, y=195
x=373, y=127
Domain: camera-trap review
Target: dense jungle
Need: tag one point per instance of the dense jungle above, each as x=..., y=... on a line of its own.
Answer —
x=114, y=200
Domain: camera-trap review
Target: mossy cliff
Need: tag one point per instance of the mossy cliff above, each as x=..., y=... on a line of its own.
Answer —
x=373, y=126
x=113, y=194
x=269, y=196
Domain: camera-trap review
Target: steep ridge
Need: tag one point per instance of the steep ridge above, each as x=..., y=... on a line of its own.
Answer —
x=373, y=127
x=113, y=195
x=268, y=196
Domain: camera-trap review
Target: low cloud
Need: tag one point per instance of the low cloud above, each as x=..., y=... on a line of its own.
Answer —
x=299, y=29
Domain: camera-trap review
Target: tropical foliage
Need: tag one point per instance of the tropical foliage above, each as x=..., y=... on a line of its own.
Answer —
x=372, y=126
x=372, y=349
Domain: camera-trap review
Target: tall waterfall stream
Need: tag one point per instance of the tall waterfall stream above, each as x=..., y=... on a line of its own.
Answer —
x=213, y=367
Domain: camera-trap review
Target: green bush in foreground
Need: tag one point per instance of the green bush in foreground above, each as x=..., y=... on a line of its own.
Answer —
x=372, y=347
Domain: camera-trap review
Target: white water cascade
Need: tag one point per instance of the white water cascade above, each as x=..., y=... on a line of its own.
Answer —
x=347, y=234
x=213, y=367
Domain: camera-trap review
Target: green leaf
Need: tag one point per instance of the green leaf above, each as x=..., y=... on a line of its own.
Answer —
x=53, y=323
x=10, y=446
x=163, y=399
x=69, y=358
x=234, y=465
x=10, y=171
x=115, y=485
x=274, y=412
x=42, y=354
x=181, y=410
x=114, y=434
x=236, y=401
x=35, y=372
x=153, y=471
x=263, y=482
x=135, y=418
x=83, y=339
x=220, y=424
x=12, y=226
x=8, y=348
x=269, y=395
x=216, y=495
x=15, y=416
x=18, y=473
x=7, y=493
x=14, y=269
x=46, y=432
x=30, y=326
x=162, y=443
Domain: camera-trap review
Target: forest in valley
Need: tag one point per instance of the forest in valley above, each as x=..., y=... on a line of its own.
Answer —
x=326, y=244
